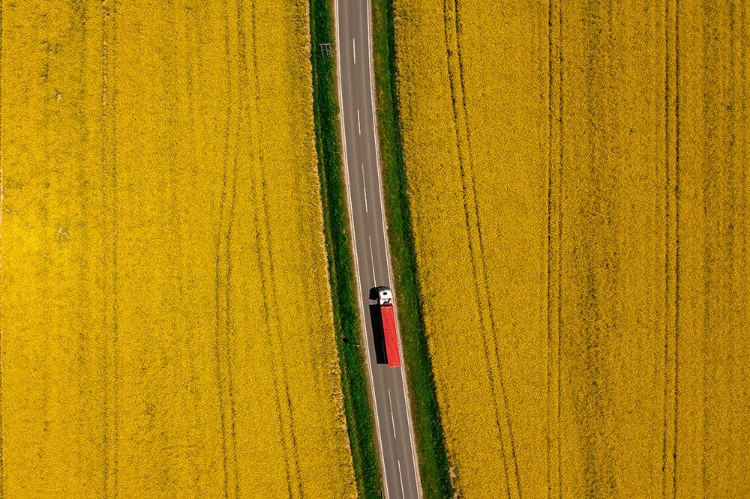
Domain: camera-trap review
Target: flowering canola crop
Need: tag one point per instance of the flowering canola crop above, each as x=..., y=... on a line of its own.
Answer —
x=579, y=198
x=164, y=310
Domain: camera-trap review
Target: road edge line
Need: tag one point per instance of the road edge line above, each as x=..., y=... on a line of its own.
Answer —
x=373, y=101
x=345, y=161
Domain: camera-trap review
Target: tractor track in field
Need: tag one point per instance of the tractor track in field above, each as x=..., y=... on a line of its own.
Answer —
x=473, y=223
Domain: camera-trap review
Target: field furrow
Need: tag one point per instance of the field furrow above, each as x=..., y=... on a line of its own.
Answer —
x=476, y=244
x=577, y=184
x=165, y=314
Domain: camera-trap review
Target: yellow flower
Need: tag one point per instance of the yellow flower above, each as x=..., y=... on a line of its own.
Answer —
x=579, y=200
x=161, y=236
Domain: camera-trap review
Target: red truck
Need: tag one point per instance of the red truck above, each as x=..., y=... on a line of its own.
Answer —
x=390, y=336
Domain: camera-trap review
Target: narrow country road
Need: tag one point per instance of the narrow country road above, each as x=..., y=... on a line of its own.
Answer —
x=361, y=158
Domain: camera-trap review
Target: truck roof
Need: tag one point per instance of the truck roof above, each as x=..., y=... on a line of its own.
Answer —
x=385, y=296
x=390, y=336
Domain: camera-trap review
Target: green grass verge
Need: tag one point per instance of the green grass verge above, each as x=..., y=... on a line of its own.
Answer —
x=433, y=458
x=359, y=414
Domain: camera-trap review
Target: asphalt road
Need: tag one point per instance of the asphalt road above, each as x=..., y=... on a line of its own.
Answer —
x=356, y=96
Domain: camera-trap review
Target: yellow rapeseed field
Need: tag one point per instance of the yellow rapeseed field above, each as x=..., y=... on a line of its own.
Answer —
x=578, y=188
x=165, y=317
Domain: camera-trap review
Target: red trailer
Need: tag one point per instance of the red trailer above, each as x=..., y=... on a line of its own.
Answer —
x=390, y=336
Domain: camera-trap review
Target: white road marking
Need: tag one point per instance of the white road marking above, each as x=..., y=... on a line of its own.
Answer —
x=364, y=188
x=368, y=54
x=359, y=126
x=385, y=231
x=372, y=262
x=351, y=221
x=354, y=51
x=390, y=404
x=400, y=478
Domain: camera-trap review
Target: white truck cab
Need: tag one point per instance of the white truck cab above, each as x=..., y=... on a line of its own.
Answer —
x=385, y=296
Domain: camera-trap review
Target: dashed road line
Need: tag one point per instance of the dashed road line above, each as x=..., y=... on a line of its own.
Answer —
x=401, y=479
x=372, y=262
x=390, y=404
x=364, y=188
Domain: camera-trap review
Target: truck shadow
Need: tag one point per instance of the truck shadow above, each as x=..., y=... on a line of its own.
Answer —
x=377, y=333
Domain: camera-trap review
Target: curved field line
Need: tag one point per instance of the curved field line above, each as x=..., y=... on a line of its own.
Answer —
x=109, y=174
x=671, y=242
x=460, y=116
x=554, y=253
x=222, y=348
x=475, y=198
x=293, y=469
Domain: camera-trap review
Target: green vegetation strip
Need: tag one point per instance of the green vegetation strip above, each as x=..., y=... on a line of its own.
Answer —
x=359, y=414
x=433, y=458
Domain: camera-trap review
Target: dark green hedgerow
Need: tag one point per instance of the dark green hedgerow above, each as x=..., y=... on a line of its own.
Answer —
x=433, y=459
x=359, y=415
